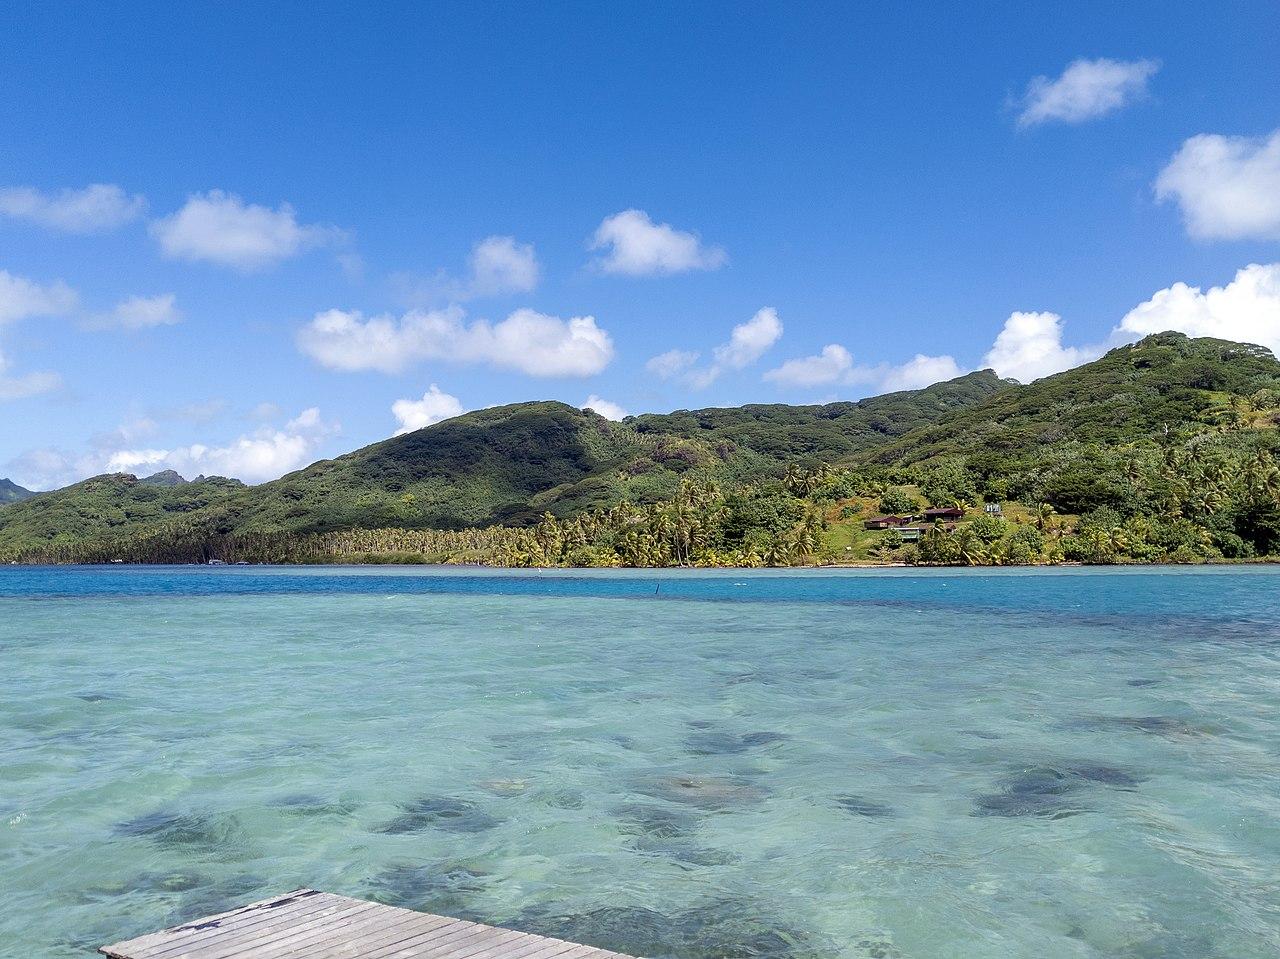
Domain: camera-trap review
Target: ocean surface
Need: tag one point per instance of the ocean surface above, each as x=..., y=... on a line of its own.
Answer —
x=889, y=764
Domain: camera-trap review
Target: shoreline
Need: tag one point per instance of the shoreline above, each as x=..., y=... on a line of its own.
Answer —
x=1230, y=563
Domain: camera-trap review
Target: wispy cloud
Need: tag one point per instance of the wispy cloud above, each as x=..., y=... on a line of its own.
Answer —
x=834, y=366
x=139, y=313
x=96, y=208
x=498, y=265
x=748, y=341
x=1086, y=90
x=21, y=298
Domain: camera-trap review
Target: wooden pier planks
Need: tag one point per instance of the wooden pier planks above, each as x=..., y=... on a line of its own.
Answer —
x=321, y=925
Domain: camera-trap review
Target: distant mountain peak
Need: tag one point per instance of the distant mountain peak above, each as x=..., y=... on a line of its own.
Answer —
x=163, y=478
x=11, y=492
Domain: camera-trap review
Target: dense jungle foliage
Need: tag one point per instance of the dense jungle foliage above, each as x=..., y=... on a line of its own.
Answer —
x=1163, y=451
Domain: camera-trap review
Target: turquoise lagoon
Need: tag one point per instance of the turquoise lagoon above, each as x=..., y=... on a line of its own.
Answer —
x=1045, y=763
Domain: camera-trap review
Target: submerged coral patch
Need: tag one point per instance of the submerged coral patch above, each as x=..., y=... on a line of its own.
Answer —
x=658, y=822
x=440, y=812
x=1051, y=791
x=193, y=832
x=717, y=930
x=444, y=888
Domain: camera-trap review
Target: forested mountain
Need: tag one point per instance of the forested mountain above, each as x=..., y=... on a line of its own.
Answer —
x=11, y=492
x=1149, y=429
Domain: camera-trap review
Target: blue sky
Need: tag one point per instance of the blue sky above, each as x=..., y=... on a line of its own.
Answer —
x=306, y=217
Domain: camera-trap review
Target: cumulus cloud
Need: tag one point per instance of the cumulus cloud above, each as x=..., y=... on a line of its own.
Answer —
x=609, y=410
x=435, y=405
x=636, y=246
x=526, y=340
x=1086, y=89
x=747, y=342
x=220, y=228
x=750, y=340
x=254, y=458
x=1246, y=309
x=96, y=208
x=17, y=387
x=21, y=298
x=835, y=366
x=1228, y=188
x=264, y=454
x=1030, y=346
x=918, y=372
x=832, y=365
x=139, y=313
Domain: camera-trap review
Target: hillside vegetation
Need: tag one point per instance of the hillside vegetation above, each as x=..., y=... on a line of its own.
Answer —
x=1165, y=449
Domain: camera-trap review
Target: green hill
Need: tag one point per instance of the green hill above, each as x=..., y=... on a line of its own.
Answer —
x=1131, y=393
x=1163, y=408
x=506, y=465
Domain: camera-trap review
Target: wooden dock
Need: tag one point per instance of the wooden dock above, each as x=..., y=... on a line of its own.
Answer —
x=321, y=925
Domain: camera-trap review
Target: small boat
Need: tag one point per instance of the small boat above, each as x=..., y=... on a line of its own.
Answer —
x=216, y=562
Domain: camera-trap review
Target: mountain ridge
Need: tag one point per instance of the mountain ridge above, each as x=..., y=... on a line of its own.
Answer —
x=1061, y=439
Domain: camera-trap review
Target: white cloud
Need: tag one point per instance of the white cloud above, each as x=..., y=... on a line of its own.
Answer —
x=20, y=298
x=27, y=384
x=1030, y=346
x=140, y=313
x=94, y=209
x=221, y=228
x=526, y=340
x=750, y=340
x=671, y=363
x=747, y=342
x=609, y=410
x=832, y=365
x=636, y=246
x=254, y=458
x=1228, y=188
x=501, y=265
x=1247, y=309
x=497, y=265
x=1086, y=89
x=434, y=406
x=918, y=372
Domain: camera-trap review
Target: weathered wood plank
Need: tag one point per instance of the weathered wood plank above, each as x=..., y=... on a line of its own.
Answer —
x=297, y=900
x=341, y=939
x=319, y=925
x=261, y=940
x=369, y=941
x=208, y=943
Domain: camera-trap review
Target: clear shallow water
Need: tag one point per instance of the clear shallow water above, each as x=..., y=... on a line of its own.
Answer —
x=891, y=764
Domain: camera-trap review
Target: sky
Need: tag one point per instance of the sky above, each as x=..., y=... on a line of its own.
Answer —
x=239, y=237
